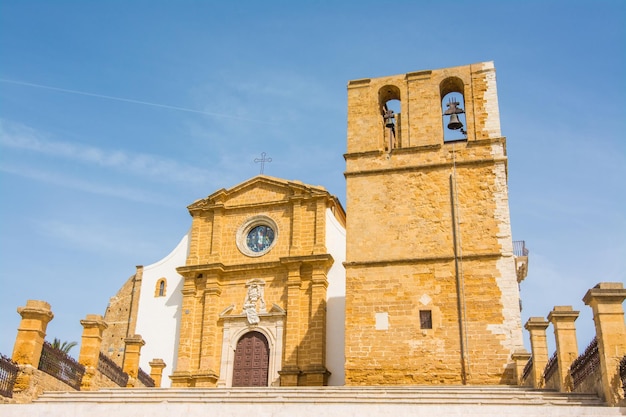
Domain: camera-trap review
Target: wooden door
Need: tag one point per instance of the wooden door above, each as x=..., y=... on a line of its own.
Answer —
x=251, y=361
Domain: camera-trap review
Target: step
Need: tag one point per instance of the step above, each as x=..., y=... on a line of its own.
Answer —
x=495, y=395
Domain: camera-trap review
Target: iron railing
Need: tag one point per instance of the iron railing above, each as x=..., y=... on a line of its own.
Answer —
x=8, y=375
x=622, y=372
x=586, y=364
x=145, y=379
x=551, y=368
x=527, y=369
x=61, y=366
x=108, y=368
x=519, y=248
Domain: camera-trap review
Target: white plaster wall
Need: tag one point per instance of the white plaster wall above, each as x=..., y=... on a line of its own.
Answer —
x=158, y=318
x=336, y=300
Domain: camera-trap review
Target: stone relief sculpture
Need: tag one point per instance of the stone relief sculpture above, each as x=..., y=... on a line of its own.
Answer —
x=255, y=294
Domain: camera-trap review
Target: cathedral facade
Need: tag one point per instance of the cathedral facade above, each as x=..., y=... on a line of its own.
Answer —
x=414, y=283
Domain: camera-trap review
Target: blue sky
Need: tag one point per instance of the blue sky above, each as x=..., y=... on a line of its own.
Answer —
x=114, y=116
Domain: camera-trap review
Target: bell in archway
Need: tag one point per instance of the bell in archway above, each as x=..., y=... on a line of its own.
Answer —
x=453, y=111
x=454, y=123
x=389, y=118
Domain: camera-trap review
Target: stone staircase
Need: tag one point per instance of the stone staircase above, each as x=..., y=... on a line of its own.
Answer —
x=484, y=401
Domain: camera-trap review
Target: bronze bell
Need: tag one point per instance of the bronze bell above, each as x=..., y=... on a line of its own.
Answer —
x=388, y=116
x=454, y=123
x=453, y=111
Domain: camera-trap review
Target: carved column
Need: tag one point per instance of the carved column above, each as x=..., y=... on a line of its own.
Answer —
x=156, y=371
x=93, y=326
x=290, y=371
x=605, y=299
x=562, y=319
x=132, y=354
x=537, y=326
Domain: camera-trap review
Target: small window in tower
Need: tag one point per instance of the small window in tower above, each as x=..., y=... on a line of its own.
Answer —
x=161, y=287
x=426, y=319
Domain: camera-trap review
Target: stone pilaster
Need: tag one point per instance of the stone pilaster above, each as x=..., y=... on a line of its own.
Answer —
x=320, y=222
x=156, y=371
x=316, y=372
x=207, y=375
x=605, y=299
x=131, y=357
x=562, y=319
x=290, y=371
x=537, y=326
x=189, y=334
x=93, y=327
x=216, y=239
x=297, y=207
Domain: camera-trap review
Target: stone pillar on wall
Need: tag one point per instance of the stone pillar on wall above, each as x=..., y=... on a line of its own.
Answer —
x=537, y=326
x=131, y=358
x=290, y=371
x=30, y=337
x=315, y=371
x=605, y=299
x=207, y=374
x=521, y=358
x=189, y=333
x=562, y=319
x=93, y=326
x=156, y=371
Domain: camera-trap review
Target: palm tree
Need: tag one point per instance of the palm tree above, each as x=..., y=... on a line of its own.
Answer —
x=64, y=347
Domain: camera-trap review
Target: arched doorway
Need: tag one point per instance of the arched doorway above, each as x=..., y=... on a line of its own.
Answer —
x=251, y=363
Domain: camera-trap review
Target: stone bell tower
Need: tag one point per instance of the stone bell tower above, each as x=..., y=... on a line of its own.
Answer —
x=431, y=290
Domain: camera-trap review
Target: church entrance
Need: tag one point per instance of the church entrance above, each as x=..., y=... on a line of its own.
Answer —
x=251, y=363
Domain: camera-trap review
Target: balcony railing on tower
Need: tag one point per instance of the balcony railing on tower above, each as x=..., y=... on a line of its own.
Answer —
x=519, y=248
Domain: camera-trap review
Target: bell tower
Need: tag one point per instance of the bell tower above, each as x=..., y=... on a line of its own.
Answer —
x=432, y=295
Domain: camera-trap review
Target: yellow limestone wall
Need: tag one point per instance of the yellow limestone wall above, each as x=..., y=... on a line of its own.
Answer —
x=401, y=243
x=294, y=271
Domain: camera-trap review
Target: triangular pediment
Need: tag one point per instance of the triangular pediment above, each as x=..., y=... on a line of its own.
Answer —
x=261, y=189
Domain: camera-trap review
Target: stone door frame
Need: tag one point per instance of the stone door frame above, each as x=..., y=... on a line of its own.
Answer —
x=271, y=325
x=259, y=350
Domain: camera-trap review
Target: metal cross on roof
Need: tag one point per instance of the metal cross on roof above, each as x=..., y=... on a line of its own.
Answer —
x=262, y=160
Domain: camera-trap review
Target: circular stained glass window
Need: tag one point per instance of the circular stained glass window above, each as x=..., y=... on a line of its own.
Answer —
x=260, y=238
x=257, y=235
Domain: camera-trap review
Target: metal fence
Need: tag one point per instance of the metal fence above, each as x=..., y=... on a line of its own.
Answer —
x=519, y=248
x=622, y=372
x=108, y=368
x=586, y=364
x=8, y=374
x=61, y=366
x=551, y=367
x=527, y=369
x=145, y=379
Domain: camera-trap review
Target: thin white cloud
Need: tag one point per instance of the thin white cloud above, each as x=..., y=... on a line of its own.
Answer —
x=126, y=193
x=128, y=100
x=96, y=238
x=145, y=165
